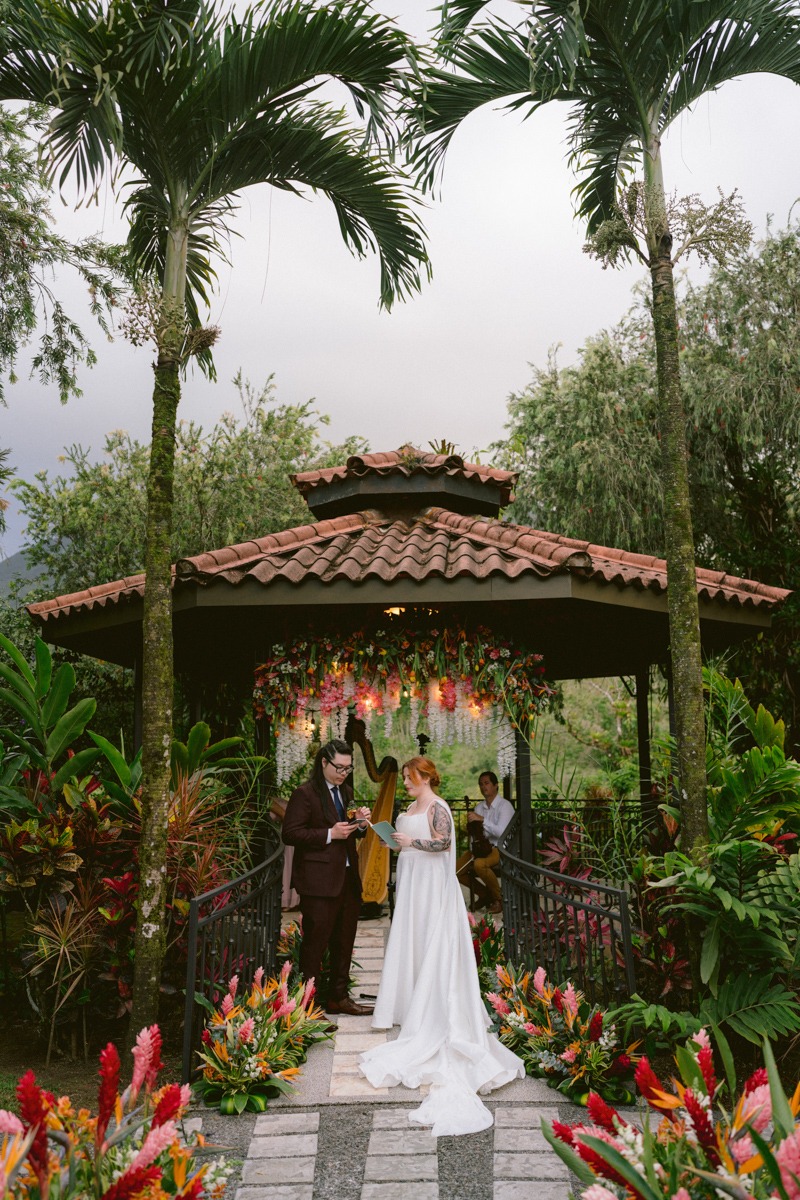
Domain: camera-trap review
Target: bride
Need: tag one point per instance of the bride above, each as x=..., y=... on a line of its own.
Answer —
x=429, y=986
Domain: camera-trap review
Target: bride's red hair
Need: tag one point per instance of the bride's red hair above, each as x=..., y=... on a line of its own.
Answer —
x=421, y=768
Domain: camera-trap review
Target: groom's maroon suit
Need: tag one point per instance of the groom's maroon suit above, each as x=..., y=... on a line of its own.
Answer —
x=329, y=889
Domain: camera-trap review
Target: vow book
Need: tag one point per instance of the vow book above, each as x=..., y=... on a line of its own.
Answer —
x=386, y=833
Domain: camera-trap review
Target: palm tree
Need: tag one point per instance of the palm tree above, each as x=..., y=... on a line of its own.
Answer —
x=628, y=69
x=186, y=107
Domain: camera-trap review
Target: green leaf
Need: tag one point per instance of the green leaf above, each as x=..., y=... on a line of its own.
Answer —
x=15, y=680
x=709, y=956
x=204, y=1002
x=55, y=703
x=44, y=668
x=114, y=758
x=240, y=1102
x=31, y=719
x=198, y=739
x=725, y=1054
x=782, y=1118
x=69, y=727
x=621, y=1166
x=18, y=658
x=74, y=767
x=568, y=1156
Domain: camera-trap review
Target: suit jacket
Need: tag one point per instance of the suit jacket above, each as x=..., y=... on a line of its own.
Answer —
x=318, y=868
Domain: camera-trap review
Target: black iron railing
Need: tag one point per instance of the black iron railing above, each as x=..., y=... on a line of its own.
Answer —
x=576, y=930
x=233, y=930
x=597, y=834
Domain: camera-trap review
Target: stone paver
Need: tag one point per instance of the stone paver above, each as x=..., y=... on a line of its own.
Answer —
x=400, y=1191
x=523, y=1116
x=529, y=1166
x=270, y=1123
x=283, y=1145
x=280, y=1191
x=401, y=1167
x=257, y=1171
x=401, y=1141
x=390, y=1118
x=521, y=1140
x=506, y=1190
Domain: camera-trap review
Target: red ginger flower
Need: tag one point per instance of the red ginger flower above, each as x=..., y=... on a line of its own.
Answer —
x=558, y=1000
x=168, y=1106
x=703, y=1126
x=603, y=1114
x=757, y=1079
x=705, y=1061
x=133, y=1183
x=109, y=1086
x=33, y=1109
x=600, y=1167
x=563, y=1133
x=649, y=1084
x=596, y=1026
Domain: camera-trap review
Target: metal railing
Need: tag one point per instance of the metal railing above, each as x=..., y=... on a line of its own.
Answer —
x=576, y=930
x=233, y=930
x=599, y=830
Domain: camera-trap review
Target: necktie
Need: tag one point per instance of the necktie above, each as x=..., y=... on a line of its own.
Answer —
x=338, y=802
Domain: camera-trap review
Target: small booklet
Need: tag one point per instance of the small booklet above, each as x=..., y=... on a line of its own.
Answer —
x=386, y=833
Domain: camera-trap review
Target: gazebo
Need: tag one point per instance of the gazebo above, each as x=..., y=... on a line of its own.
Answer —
x=409, y=529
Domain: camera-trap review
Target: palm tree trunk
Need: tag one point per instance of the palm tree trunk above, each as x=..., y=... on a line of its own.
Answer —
x=157, y=659
x=684, y=618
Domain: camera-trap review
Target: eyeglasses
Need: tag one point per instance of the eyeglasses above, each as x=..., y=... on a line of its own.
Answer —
x=339, y=768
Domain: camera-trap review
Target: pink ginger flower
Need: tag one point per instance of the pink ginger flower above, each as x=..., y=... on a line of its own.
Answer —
x=233, y=985
x=308, y=993
x=286, y=971
x=598, y=1192
x=702, y=1039
x=498, y=1004
x=531, y=1029
x=539, y=980
x=569, y=1055
x=227, y=1005
x=742, y=1148
x=757, y=1108
x=788, y=1158
x=288, y=1007
x=146, y=1060
x=10, y=1124
x=472, y=919
x=156, y=1142
x=682, y=1194
x=259, y=975
x=246, y=1031
x=571, y=1000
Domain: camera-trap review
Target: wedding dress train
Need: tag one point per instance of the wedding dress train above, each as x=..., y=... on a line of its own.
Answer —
x=429, y=986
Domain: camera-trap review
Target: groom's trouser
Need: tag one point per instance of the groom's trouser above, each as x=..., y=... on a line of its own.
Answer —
x=329, y=922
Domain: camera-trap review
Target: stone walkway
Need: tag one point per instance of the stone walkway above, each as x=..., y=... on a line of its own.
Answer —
x=338, y=1138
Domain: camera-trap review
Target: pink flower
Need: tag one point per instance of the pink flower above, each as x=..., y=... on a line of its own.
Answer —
x=259, y=975
x=702, y=1039
x=498, y=1004
x=227, y=1005
x=472, y=919
x=569, y=1055
x=10, y=1124
x=288, y=1007
x=788, y=1158
x=308, y=994
x=531, y=1029
x=539, y=980
x=233, y=985
x=286, y=970
x=757, y=1108
x=742, y=1148
x=246, y=1031
x=156, y=1142
x=571, y=1000
x=598, y=1192
x=682, y=1194
x=146, y=1059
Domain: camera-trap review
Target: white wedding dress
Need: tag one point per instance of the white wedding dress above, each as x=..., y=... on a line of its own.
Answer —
x=430, y=988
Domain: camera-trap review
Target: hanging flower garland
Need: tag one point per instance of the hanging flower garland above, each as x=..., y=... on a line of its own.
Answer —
x=468, y=685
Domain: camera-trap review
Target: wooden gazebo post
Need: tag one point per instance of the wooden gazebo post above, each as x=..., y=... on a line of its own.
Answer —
x=524, y=796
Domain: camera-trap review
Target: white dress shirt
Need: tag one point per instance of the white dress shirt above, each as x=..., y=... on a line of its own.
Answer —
x=496, y=817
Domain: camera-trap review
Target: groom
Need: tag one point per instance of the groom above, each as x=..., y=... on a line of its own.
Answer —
x=325, y=870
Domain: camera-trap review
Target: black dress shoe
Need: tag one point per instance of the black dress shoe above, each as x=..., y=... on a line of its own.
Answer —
x=349, y=1007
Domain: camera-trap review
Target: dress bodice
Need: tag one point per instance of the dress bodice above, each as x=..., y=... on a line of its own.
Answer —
x=416, y=825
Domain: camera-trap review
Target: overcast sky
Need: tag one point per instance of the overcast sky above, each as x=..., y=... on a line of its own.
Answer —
x=510, y=280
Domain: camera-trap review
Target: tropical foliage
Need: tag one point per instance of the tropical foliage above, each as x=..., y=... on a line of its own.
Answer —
x=489, y=946
x=559, y=1035
x=705, y=1146
x=132, y=1146
x=254, y=1044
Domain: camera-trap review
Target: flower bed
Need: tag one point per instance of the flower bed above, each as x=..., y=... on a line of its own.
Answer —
x=132, y=1148
x=559, y=1036
x=253, y=1046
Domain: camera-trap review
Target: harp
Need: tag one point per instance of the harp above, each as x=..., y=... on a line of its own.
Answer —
x=373, y=853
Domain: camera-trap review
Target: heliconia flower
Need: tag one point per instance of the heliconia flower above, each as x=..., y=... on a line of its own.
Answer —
x=705, y=1061
x=596, y=1026
x=259, y=975
x=571, y=1000
x=246, y=1031
x=558, y=1000
x=598, y=1192
x=9, y=1123
x=702, y=1039
x=757, y=1079
x=33, y=1112
x=109, y=1087
x=233, y=985
x=788, y=1158
x=703, y=1126
x=156, y=1142
x=227, y=1005
x=603, y=1114
x=168, y=1106
x=498, y=1004
x=539, y=980
x=132, y=1183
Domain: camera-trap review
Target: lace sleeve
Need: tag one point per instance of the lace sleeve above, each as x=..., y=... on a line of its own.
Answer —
x=440, y=828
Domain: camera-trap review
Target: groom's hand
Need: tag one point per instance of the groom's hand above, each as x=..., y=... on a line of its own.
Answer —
x=341, y=830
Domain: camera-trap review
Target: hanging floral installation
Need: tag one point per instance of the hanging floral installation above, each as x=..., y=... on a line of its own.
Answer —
x=465, y=686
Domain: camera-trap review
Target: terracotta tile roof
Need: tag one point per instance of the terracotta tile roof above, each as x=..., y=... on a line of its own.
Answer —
x=438, y=543
x=406, y=461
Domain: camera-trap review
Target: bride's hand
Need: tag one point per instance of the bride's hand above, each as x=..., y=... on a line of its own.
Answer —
x=402, y=840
